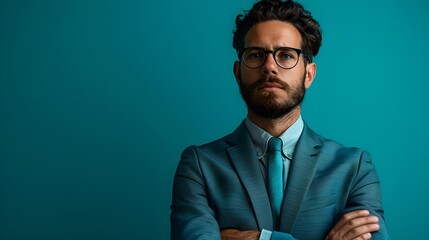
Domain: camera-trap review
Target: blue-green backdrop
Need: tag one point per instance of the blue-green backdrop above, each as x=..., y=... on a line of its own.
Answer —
x=98, y=99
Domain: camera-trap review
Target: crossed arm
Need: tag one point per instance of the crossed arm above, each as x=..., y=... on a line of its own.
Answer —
x=356, y=225
x=193, y=217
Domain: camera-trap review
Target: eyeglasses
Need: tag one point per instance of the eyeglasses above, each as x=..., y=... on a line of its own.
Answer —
x=285, y=57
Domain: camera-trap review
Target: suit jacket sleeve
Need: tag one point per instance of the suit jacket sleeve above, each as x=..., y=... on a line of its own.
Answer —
x=366, y=194
x=191, y=216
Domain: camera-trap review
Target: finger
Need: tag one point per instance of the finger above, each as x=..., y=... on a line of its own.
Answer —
x=349, y=222
x=365, y=236
x=353, y=215
x=228, y=232
x=362, y=230
x=235, y=234
x=346, y=218
x=357, y=226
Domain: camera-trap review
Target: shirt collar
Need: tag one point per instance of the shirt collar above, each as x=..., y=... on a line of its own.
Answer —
x=289, y=138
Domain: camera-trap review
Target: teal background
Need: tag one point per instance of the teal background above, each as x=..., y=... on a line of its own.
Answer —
x=98, y=99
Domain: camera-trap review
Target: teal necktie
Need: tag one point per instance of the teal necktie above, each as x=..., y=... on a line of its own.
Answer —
x=275, y=177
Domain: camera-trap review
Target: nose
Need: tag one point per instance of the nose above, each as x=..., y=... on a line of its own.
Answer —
x=270, y=66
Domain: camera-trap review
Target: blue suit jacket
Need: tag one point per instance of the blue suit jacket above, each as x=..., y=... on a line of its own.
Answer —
x=220, y=185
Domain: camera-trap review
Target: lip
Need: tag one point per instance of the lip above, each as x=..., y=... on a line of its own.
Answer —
x=270, y=86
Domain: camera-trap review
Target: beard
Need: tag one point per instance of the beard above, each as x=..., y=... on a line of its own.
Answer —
x=269, y=105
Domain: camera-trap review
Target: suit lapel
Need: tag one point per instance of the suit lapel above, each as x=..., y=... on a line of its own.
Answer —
x=301, y=173
x=243, y=158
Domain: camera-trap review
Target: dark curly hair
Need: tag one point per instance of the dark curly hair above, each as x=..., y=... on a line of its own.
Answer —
x=288, y=11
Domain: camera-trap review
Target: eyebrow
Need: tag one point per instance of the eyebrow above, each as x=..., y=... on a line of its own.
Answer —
x=275, y=47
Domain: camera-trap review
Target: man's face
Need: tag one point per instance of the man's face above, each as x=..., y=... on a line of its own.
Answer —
x=271, y=91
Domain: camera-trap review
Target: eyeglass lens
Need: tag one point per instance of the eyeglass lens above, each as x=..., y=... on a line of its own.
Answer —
x=284, y=57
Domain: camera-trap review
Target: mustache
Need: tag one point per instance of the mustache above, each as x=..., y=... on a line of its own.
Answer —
x=261, y=81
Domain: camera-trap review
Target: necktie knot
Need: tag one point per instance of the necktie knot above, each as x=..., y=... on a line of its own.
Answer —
x=274, y=144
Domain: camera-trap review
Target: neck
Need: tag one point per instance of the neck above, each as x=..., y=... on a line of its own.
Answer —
x=277, y=126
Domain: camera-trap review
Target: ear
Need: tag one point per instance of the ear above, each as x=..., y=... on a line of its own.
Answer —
x=310, y=74
x=237, y=72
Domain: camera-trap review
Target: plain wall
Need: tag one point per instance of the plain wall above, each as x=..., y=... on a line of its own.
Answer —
x=98, y=99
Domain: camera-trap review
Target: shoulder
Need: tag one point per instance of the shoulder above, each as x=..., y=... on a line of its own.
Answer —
x=206, y=154
x=339, y=152
x=239, y=136
x=207, y=159
x=339, y=148
x=351, y=163
x=213, y=146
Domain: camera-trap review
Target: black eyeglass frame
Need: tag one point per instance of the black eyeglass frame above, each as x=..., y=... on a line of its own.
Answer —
x=298, y=51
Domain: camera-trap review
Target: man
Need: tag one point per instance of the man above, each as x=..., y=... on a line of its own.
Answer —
x=273, y=177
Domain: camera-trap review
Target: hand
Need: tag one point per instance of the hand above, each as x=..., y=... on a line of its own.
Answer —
x=356, y=225
x=234, y=234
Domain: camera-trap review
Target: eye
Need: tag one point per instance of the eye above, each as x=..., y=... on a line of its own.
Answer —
x=285, y=55
x=254, y=55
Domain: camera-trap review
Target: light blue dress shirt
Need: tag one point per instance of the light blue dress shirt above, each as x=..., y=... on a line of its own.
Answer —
x=260, y=140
